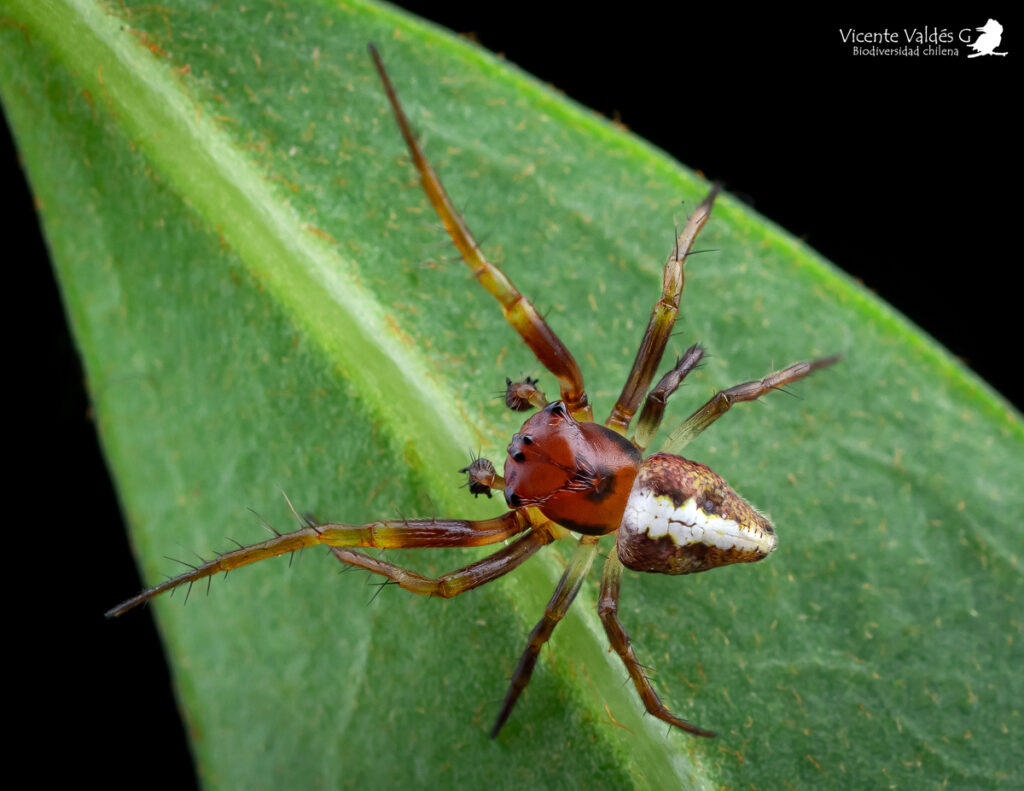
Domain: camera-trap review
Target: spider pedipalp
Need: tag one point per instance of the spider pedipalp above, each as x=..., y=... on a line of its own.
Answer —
x=524, y=396
x=481, y=477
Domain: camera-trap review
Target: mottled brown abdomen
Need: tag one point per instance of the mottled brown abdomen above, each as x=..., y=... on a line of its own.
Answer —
x=682, y=518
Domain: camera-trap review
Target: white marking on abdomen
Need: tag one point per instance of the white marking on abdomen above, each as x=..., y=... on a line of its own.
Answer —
x=658, y=516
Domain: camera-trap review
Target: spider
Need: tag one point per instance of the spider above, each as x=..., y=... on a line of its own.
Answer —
x=565, y=474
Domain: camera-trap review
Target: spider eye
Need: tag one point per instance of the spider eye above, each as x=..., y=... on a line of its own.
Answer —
x=557, y=408
x=527, y=439
x=518, y=456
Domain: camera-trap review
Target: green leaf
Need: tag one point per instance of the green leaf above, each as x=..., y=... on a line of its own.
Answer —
x=262, y=301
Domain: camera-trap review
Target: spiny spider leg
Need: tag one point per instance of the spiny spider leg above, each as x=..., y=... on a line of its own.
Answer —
x=557, y=607
x=519, y=312
x=654, y=405
x=608, y=609
x=720, y=402
x=452, y=584
x=663, y=318
x=397, y=534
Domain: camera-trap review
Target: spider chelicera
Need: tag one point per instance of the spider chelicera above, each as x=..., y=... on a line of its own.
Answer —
x=566, y=474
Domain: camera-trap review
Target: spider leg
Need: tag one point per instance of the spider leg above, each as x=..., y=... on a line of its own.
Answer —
x=654, y=406
x=399, y=534
x=608, y=609
x=663, y=318
x=519, y=312
x=719, y=403
x=557, y=607
x=452, y=584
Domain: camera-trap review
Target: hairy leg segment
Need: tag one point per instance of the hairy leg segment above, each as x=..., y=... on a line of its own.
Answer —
x=403, y=534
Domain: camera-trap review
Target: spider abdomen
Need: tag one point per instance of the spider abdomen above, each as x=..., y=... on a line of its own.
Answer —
x=682, y=518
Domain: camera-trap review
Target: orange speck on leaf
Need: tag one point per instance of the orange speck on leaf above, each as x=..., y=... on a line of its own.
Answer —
x=321, y=233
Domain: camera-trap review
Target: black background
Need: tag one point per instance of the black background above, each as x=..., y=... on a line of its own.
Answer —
x=899, y=170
